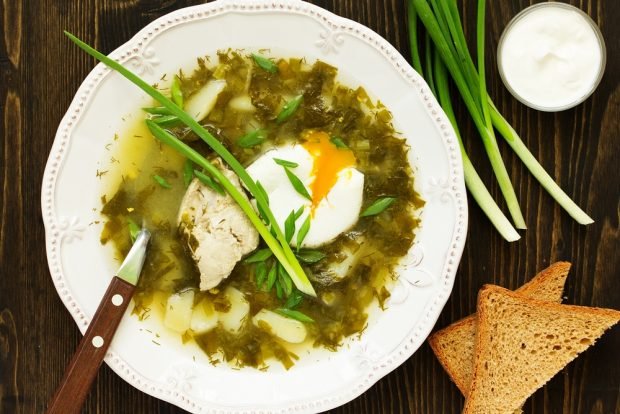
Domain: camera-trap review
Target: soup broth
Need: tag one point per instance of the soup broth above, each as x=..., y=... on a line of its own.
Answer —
x=153, y=180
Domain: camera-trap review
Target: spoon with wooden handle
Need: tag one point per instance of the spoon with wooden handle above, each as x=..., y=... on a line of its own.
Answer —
x=82, y=370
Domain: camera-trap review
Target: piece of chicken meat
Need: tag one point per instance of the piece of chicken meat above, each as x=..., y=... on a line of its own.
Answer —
x=216, y=230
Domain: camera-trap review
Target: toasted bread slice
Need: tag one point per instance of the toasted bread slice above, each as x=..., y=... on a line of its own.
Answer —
x=454, y=345
x=521, y=343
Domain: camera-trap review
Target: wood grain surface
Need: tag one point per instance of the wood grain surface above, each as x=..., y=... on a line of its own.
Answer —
x=83, y=368
x=40, y=71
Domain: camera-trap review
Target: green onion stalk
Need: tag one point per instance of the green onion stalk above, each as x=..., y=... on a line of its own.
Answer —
x=278, y=245
x=438, y=83
x=444, y=46
x=443, y=24
x=473, y=181
x=518, y=146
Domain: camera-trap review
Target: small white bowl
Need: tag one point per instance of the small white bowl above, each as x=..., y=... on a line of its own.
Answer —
x=580, y=98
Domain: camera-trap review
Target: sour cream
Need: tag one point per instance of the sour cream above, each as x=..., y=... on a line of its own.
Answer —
x=551, y=56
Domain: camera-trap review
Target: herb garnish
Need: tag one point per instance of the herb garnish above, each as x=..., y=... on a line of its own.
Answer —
x=378, y=206
x=261, y=190
x=297, y=184
x=252, y=139
x=310, y=256
x=176, y=93
x=134, y=229
x=188, y=172
x=260, y=273
x=271, y=277
x=303, y=232
x=285, y=281
x=339, y=143
x=279, y=289
x=293, y=314
x=165, y=120
x=209, y=182
x=285, y=163
x=162, y=181
x=299, y=212
x=289, y=109
x=264, y=63
x=259, y=256
x=289, y=227
x=157, y=110
x=294, y=299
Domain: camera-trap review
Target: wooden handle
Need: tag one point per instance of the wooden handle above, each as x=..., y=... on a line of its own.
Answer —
x=82, y=370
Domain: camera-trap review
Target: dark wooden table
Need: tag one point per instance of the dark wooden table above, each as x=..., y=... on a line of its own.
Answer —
x=40, y=71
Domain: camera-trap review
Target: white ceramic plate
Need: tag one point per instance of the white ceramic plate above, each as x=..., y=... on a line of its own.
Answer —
x=81, y=268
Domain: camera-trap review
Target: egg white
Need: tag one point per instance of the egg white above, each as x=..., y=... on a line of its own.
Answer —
x=335, y=214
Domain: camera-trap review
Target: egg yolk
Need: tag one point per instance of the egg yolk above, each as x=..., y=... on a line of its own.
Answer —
x=329, y=160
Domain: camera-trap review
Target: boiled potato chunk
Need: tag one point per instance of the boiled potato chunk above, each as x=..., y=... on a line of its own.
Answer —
x=200, y=104
x=287, y=329
x=179, y=311
x=242, y=103
x=204, y=317
x=234, y=319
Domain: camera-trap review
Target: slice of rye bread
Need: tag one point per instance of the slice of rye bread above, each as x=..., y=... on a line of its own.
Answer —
x=454, y=345
x=522, y=343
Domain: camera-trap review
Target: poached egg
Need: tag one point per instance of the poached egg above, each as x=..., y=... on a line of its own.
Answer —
x=329, y=175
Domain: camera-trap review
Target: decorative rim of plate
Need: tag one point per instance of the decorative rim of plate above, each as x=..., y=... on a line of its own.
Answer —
x=59, y=229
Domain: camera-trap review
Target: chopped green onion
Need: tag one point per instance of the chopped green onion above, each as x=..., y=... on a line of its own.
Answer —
x=263, y=214
x=209, y=182
x=285, y=281
x=378, y=206
x=339, y=143
x=299, y=212
x=297, y=184
x=293, y=314
x=134, y=229
x=279, y=289
x=258, y=256
x=262, y=190
x=260, y=273
x=157, y=110
x=165, y=120
x=175, y=92
x=289, y=109
x=265, y=63
x=310, y=256
x=294, y=299
x=285, y=163
x=271, y=276
x=162, y=181
x=289, y=227
x=188, y=172
x=252, y=139
x=303, y=232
